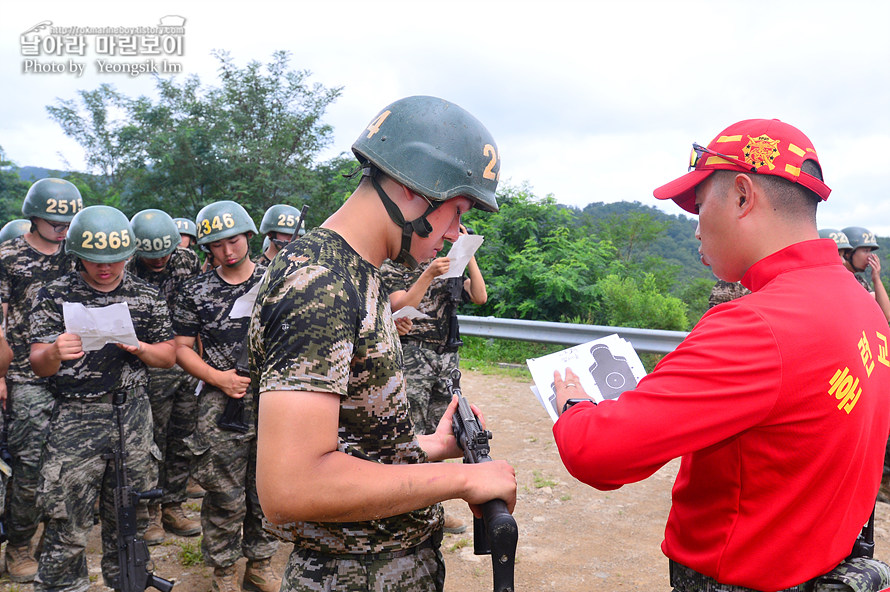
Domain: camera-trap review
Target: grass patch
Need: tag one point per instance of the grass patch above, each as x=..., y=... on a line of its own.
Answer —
x=506, y=357
x=540, y=481
x=488, y=355
x=190, y=552
x=459, y=544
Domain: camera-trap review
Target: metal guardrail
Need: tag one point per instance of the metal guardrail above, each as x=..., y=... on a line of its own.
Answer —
x=643, y=340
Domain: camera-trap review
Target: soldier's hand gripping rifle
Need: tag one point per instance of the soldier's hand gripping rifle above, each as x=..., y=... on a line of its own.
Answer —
x=232, y=417
x=496, y=532
x=132, y=552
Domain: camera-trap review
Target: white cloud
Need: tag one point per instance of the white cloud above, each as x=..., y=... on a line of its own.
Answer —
x=587, y=100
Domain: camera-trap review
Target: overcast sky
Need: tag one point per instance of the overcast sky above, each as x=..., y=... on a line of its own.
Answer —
x=588, y=101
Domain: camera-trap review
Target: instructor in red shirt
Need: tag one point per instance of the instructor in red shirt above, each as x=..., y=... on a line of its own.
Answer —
x=778, y=402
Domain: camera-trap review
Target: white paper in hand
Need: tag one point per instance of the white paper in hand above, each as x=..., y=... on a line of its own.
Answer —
x=409, y=312
x=605, y=367
x=97, y=327
x=243, y=306
x=460, y=254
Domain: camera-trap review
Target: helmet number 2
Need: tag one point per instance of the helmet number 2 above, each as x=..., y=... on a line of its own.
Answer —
x=374, y=127
x=488, y=173
x=101, y=240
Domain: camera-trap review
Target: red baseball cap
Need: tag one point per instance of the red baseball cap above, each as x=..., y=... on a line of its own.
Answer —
x=762, y=146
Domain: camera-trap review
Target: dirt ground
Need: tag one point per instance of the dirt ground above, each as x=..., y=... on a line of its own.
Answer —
x=571, y=537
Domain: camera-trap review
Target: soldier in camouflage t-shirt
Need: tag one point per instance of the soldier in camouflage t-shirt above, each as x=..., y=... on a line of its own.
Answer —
x=340, y=470
x=429, y=349
x=90, y=388
x=215, y=307
x=171, y=391
x=28, y=263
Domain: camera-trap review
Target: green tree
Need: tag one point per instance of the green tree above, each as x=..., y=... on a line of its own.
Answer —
x=97, y=121
x=553, y=280
x=12, y=190
x=252, y=138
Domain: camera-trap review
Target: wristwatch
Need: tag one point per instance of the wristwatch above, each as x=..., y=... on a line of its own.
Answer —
x=572, y=402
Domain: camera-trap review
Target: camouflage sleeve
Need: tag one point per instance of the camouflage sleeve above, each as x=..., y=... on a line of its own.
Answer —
x=306, y=327
x=193, y=262
x=4, y=279
x=159, y=328
x=393, y=279
x=46, y=318
x=186, y=320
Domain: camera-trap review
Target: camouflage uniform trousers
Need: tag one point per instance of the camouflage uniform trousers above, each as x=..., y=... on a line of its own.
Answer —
x=74, y=474
x=423, y=571
x=225, y=466
x=32, y=406
x=173, y=407
x=425, y=374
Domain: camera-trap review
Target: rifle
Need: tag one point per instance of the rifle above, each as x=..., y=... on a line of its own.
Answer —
x=455, y=287
x=132, y=552
x=232, y=417
x=864, y=545
x=5, y=466
x=496, y=532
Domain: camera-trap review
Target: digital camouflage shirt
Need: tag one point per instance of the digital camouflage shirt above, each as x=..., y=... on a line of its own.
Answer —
x=183, y=264
x=435, y=302
x=725, y=291
x=110, y=369
x=202, y=309
x=323, y=323
x=23, y=271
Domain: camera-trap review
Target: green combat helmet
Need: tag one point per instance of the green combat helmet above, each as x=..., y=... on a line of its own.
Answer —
x=56, y=200
x=860, y=237
x=14, y=229
x=186, y=226
x=222, y=219
x=155, y=232
x=837, y=236
x=100, y=234
x=437, y=150
x=280, y=218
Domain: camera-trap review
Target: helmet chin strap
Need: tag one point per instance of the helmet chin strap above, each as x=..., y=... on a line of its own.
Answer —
x=849, y=257
x=278, y=242
x=419, y=226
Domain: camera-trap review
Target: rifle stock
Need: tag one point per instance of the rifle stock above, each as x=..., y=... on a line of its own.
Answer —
x=496, y=533
x=133, y=557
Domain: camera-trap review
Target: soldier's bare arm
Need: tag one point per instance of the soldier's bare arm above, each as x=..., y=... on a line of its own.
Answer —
x=47, y=358
x=302, y=476
x=413, y=295
x=156, y=355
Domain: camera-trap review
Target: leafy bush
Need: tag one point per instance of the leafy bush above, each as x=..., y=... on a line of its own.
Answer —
x=632, y=302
